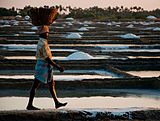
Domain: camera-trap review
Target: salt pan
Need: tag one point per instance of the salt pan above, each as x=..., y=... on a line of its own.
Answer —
x=151, y=17
x=130, y=36
x=83, y=29
x=74, y=36
x=34, y=28
x=156, y=29
x=79, y=56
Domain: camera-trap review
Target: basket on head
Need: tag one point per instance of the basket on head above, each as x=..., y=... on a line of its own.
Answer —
x=43, y=16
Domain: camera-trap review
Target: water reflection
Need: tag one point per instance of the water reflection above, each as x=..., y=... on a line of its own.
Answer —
x=145, y=73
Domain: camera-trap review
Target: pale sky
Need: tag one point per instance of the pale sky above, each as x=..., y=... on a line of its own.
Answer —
x=146, y=4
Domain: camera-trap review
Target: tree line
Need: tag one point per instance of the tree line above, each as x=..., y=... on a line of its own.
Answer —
x=91, y=13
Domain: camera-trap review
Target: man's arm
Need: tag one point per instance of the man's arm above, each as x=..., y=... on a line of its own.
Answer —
x=61, y=69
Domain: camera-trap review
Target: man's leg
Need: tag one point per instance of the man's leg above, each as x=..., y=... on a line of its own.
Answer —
x=32, y=94
x=54, y=95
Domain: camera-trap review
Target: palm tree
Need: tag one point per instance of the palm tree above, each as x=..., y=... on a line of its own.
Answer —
x=135, y=8
x=131, y=8
x=122, y=8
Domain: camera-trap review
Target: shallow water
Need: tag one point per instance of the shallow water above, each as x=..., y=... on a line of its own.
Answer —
x=102, y=47
x=133, y=57
x=28, y=47
x=19, y=103
x=32, y=57
x=145, y=73
x=55, y=58
x=59, y=77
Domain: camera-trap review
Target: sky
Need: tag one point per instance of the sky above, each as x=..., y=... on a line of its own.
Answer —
x=146, y=4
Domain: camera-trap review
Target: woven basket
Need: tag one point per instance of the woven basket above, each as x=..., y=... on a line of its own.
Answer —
x=43, y=16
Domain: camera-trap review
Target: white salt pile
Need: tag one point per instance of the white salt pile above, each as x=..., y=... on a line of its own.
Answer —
x=130, y=36
x=130, y=26
x=5, y=26
x=28, y=23
x=69, y=19
x=109, y=24
x=83, y=29
x=18, y=16
x=70, y=24
x=79, y=56
x=151, y=17
x=34, y=28
x=26, y=18
x=156, y=29
x=74, y=36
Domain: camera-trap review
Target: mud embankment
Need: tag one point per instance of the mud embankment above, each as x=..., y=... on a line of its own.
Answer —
x=75, y=115
x=127, y=83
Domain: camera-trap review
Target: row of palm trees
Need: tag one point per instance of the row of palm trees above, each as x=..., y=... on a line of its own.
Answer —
x=96, y=12
x=117, y=8
x=110, y=12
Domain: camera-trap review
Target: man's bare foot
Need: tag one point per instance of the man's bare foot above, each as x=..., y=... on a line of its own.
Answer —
x=32, y=108
x=58, y=105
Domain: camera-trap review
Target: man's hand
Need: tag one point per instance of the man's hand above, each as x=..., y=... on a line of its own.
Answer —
x=61, y=69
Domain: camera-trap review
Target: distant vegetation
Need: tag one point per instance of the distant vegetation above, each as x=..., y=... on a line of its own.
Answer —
x=8, y=12
x=92, y=12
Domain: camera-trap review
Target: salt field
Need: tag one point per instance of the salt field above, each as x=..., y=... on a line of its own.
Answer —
x=109, y=66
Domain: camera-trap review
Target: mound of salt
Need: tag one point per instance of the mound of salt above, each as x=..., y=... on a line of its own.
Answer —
x=29, y=23
x=151, y=17
x=34, y=28
x=18, y=16
x=74, y=36
x=69, y=19
x=26, y=18
x=109, y=24
x=130, y=36
x=79, y=56
x=130, y=26
x=156, y=29
x=117, y=25
x=83, y=29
